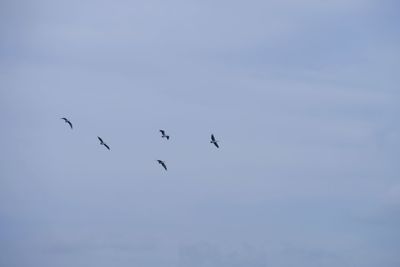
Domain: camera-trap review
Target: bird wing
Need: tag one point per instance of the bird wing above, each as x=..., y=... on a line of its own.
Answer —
x=70, y=124
x=65, y=119
x=216, y=144
x=106, y=146
x=101, y=140
x=162, y=132
x=212, y=137
x=163, y=164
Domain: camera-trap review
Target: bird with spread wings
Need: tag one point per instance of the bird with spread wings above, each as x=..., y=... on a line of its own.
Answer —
x=102, y=143
x=67, y=121
x=162, y=164
x=214, y=141
x=164, y=135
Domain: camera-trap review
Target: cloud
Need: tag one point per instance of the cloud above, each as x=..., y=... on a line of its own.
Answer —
x=303, y=95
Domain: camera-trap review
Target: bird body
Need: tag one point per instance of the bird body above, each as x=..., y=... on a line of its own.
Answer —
x=162, y=164
x=67, y=121
x=102, y=143
x=163, y=135
x=214, y=141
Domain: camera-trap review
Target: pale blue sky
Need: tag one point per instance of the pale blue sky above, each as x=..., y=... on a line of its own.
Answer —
x=302, y=94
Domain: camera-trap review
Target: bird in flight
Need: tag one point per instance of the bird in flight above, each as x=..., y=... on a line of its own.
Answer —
x=102, y=143
x=162, y=164
x=163, y=135
x=67, y=121
x=213, y=141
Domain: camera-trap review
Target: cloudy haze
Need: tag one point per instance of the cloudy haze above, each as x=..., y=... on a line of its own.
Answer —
x=303, y=96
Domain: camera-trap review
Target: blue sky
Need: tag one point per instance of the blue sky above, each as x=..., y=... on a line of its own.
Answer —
x=302, y=95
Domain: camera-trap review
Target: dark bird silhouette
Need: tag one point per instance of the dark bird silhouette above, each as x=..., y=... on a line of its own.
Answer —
x=102, y=143
x=162, y=164
x=67, y=121
x=213, y=141
x=163, y=135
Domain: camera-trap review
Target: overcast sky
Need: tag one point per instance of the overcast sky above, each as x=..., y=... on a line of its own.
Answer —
x=303, y=96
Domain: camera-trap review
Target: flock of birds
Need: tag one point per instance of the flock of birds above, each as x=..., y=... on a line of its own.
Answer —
x=163, y=135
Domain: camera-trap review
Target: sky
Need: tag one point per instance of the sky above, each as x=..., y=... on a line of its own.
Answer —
x=303, y=96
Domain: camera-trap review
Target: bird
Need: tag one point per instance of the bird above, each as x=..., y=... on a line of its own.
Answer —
x=213, y=141
x=164, y=135
x=102, y=143
x=162, y=164
x=67, y=121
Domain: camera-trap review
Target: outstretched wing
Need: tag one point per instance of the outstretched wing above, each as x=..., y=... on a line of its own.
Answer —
x=212, y=137
x=162, y=132
x=163, y=164
x=106, y=146
x=101, y=140
x=216, y=144
x=67, y=121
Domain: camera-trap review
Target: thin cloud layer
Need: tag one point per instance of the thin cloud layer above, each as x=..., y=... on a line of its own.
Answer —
x=301, y=94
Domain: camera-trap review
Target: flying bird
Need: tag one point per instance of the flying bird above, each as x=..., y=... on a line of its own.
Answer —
x=162, y=164
x=213, y=141
x=163, y=135
x=67, y=121
x=102, y=143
